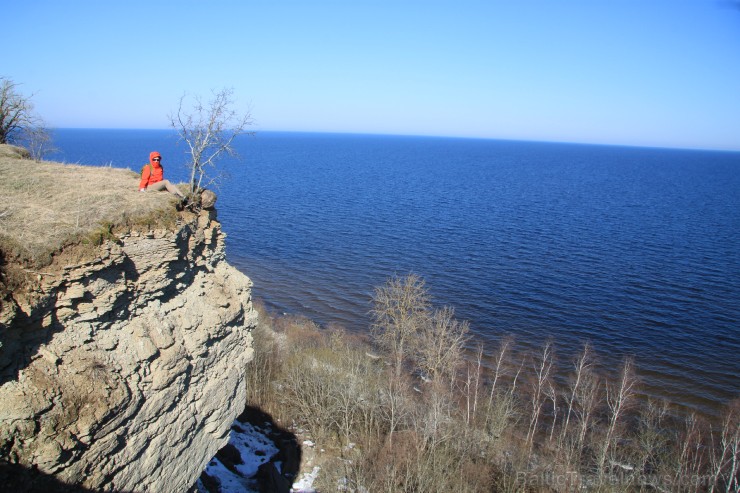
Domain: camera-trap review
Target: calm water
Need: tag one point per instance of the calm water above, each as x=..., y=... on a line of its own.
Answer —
x=635, y=250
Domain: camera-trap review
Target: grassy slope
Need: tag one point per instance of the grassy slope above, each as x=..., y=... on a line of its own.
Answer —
x=47, y=207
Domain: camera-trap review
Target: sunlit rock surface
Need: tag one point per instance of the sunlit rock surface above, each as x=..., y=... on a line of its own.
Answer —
x=125, y=372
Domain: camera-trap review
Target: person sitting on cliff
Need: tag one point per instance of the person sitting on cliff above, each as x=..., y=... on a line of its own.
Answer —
x=152, y=176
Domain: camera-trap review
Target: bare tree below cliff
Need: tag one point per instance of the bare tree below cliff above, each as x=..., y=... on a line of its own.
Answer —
x=400, y=309
x=209, y=129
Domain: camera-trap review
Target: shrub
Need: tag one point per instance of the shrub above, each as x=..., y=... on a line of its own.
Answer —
x=507, y=425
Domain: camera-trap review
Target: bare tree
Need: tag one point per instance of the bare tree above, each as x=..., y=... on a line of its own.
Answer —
x=16, y=111
x=581, y=365
x=500, y=359
x=587, y=397
x=542, y=368
x=499, y=372
x=619, y=396
x=649, y=439
x=725, y=459
x=439, y=345
x=399, y=309
x=19, y=124
x=38, y=141
x=395, y=408
x=551, y=392
x=473, y=382
x=690, y=452
x=209, y=129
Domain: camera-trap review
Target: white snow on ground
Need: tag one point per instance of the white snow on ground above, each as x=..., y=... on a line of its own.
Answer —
x=228, y=481
x=305, y=484
x=255, y=448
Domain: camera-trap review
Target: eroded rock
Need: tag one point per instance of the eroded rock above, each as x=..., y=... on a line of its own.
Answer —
x=125, y=372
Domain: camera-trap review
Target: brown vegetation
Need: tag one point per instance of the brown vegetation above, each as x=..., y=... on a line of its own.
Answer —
x=506, y=424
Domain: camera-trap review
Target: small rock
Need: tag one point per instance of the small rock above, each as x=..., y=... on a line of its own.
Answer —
x=208, y=199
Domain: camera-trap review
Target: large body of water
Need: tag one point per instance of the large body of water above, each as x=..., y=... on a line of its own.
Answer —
x=635, y=250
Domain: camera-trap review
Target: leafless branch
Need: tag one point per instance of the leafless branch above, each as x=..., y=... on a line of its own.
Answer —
x=19, y=124
x=208, y=131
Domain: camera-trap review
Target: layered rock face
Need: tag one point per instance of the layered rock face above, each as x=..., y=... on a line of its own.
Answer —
x=125, y=373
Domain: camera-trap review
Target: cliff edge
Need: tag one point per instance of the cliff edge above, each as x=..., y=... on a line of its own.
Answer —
x=124, y=368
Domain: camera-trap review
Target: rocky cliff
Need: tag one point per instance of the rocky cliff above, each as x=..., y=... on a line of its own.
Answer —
x=124, y=372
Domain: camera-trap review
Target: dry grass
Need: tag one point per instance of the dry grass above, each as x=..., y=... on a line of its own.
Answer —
x=49, y=206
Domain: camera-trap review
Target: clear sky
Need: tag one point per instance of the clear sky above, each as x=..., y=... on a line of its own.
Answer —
x=636, y=72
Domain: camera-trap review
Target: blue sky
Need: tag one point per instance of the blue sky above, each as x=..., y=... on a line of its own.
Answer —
x=635, y=72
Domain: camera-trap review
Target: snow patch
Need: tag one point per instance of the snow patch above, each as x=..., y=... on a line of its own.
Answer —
x=255, y=449
x=305, y=484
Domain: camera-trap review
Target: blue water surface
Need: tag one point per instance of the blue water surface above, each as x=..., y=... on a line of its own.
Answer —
x=636, y=250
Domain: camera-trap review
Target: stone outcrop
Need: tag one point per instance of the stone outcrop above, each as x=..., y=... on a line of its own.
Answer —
x=125, y=372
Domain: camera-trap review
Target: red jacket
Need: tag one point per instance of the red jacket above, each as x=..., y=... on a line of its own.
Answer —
x=152, y=172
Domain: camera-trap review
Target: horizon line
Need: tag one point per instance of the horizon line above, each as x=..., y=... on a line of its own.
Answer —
x=441, y=136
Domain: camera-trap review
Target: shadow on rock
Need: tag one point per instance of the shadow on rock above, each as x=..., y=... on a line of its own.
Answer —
x=260, y=453
x=20, y=479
